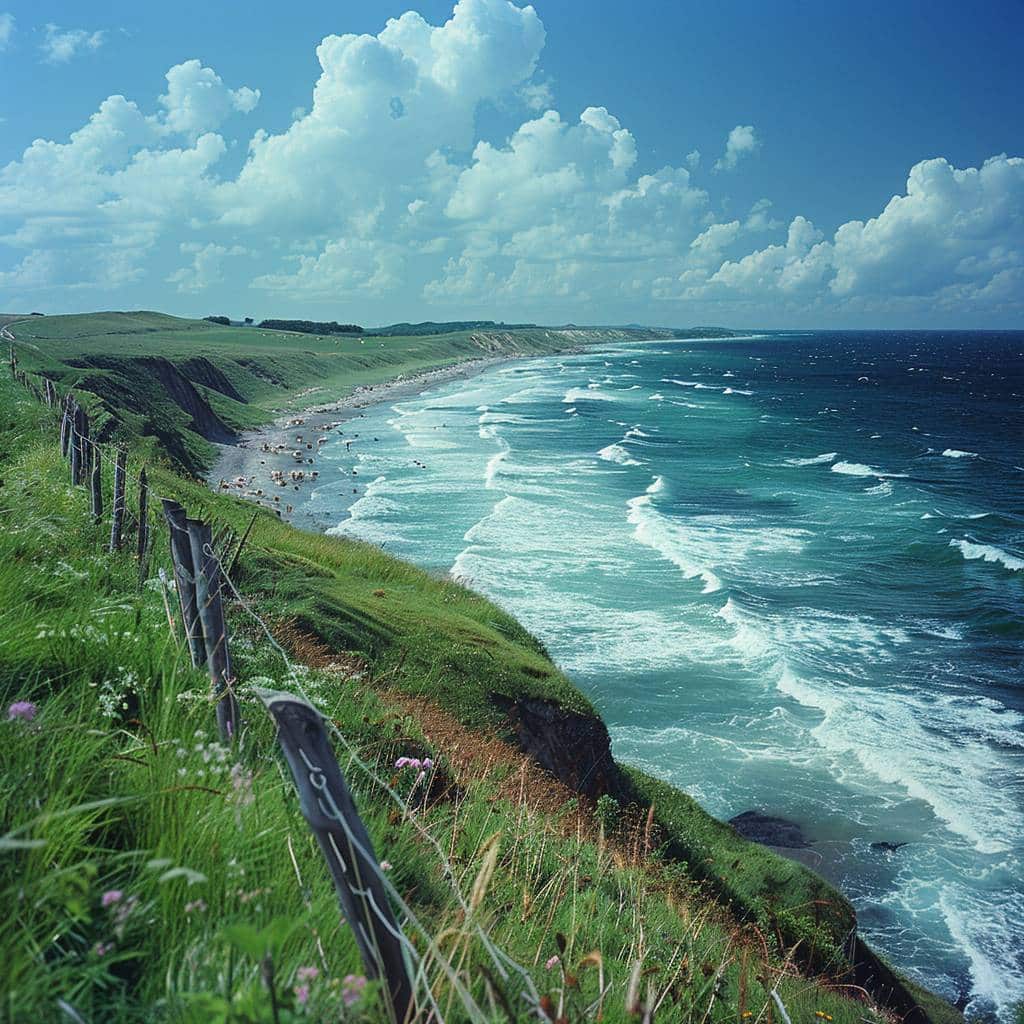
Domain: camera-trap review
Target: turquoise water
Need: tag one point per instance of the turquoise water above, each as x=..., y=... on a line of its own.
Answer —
x=788, y=569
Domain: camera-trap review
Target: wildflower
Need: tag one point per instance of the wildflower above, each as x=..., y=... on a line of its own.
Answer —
x=352, y=986
x=428, y=764
x=302, y=994
x=551, y=963
x=102, y=948
x=408, y=762
x=241, y=782
x=308, y=973
x=24, y=710
x=111, y=896
x=195, y=906
x=386, y=865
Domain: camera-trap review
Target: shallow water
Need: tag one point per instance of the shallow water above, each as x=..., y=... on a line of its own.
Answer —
x=788, y=569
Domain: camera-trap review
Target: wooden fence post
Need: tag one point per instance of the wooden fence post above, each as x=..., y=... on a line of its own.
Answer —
x=74, y=443
x=117, y=511
x=65, y=425
x=215, y=631
x=328, y=807
x=184, y=579
x=143, y=521
x=84, y=445
x=96, y=485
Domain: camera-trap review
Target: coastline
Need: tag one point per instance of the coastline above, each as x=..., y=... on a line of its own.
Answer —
x=259, y=466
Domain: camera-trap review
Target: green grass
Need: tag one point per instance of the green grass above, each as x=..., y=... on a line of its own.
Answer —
x=243, y=373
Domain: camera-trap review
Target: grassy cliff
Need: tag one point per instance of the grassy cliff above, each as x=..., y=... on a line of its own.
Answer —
x=118, y=786
x=189, y=382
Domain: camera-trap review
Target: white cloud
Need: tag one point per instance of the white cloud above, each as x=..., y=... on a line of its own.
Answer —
x=206, y=268
x=954, y=240
x=198, y=101
x=61, y=44
x=379, y=192
x=6, y=30
x=951, y=227
x=742, y=141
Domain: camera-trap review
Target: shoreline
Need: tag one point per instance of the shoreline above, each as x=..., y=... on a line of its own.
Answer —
x=274, y=466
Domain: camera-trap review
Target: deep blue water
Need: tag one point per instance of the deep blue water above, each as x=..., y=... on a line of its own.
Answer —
x=788, y=569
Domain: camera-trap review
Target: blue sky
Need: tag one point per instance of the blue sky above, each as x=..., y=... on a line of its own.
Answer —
x=569, y=161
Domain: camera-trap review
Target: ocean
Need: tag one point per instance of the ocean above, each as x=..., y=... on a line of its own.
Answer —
x=789, y=571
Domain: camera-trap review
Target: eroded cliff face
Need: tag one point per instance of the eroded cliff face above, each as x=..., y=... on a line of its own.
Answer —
x=160, y=399
x=575, y=748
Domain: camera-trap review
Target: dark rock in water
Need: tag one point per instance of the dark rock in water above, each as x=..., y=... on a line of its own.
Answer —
x=769, y=830
x=887, y=847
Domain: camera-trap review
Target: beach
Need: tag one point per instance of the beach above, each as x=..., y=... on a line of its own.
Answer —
x=275, y=466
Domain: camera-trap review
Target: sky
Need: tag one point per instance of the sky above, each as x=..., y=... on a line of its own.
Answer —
x=736, y=163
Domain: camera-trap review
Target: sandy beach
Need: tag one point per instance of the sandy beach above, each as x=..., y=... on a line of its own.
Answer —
x=275, y=466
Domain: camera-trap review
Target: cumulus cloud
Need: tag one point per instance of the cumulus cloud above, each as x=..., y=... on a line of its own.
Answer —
x=380, y=192
x=955, y=238
x=198, y=101
x=742, y=141
x=6, y=30
x=206, y=268
x=62, y=44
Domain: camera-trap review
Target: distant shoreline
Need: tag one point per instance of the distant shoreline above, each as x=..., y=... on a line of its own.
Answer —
x=246, y=467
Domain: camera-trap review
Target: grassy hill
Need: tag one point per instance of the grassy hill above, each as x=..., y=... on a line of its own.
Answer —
x=189, y=382
x=148, y=869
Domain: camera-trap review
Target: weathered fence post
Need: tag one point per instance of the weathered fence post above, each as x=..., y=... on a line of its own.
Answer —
x=117, y=511
x=215, y=631
x=143, y=521
x=82, y=442
x=75, y=443
x=184, y=579
x=65, y=425
x=328, y=807
x=96, y=485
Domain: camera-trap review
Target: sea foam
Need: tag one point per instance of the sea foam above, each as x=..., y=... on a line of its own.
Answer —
x=817, y=460
x=616, y=453
x=653, y=530
x=988, y=553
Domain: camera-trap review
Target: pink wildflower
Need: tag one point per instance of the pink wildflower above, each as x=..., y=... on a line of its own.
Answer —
x=302, y=994
x=111, y=896
x=308, y=973
x=428, y=764
x=23, y=710
x=102, y=948
x=352, y=986
x=386, y=865
x=551, y=963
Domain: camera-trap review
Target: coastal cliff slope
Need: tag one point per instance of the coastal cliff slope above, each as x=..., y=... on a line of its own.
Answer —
x=405, y=664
